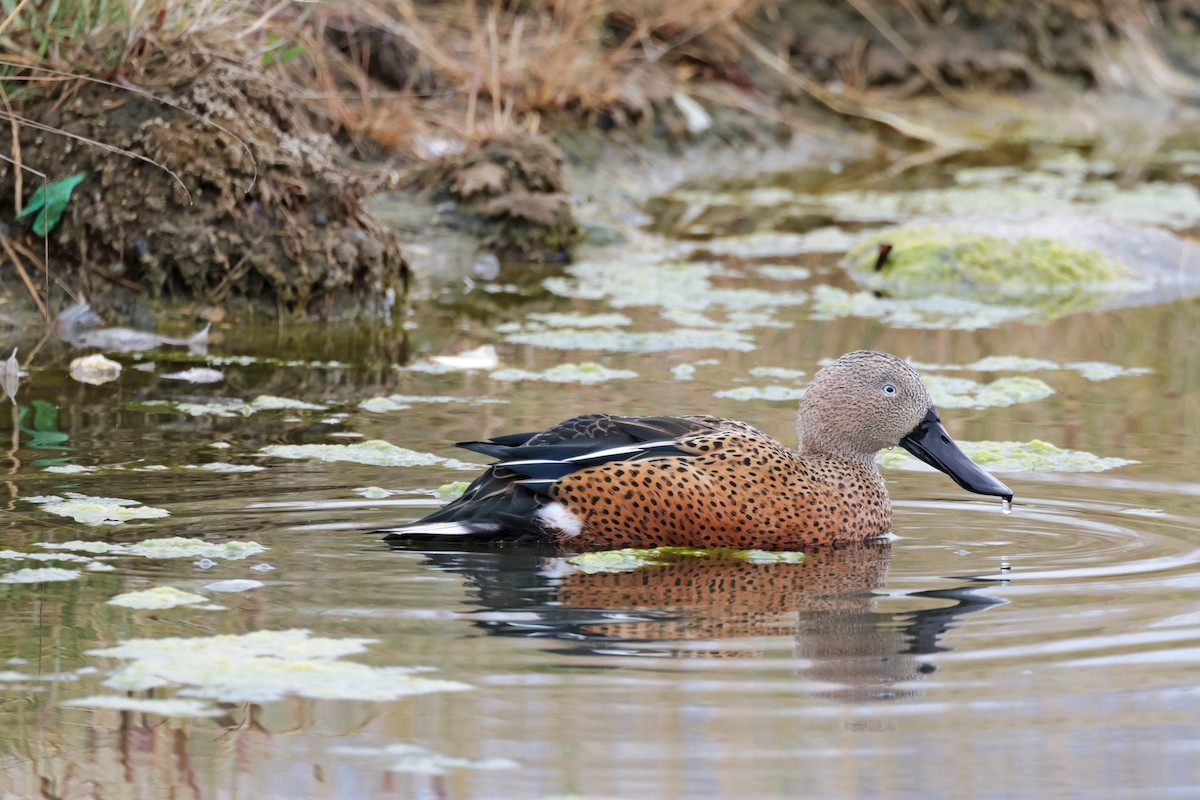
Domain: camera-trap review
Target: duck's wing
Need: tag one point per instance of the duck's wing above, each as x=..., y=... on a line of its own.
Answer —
x=503, y=503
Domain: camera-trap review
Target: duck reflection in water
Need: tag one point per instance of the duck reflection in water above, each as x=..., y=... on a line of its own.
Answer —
x=720, y=606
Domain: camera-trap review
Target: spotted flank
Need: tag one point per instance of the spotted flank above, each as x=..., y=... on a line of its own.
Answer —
x=602, y=481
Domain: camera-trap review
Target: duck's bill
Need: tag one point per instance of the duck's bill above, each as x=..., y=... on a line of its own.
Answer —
x=930, y=443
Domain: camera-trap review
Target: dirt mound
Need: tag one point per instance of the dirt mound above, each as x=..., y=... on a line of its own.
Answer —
x=261, y=214
x=510, y=192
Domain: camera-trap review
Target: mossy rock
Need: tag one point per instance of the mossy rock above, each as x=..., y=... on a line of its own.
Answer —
x=929, y=259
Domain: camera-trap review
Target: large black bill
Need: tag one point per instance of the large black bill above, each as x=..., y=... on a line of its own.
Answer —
x=930, y=443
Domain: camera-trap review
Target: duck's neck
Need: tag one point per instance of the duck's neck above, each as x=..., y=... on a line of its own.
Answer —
x=815, y=448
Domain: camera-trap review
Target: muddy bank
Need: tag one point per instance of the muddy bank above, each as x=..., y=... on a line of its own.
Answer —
x=249, y=210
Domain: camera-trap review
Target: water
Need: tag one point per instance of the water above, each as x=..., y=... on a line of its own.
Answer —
x=1048, y=652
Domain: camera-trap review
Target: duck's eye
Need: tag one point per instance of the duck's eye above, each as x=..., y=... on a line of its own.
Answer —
x=889, y=388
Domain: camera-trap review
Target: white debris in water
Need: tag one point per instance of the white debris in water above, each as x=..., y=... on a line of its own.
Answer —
x=71, y=469
x=95, y=369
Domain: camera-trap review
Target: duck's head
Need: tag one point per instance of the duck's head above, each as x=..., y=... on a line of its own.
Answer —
x=866, y=401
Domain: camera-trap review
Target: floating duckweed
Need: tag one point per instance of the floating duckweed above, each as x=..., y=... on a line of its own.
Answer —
x=174, y=707
x=71, y=469
x=965, y=393
x=236, y=408
x=775, y=393
x=171, y=547
x=234, y=585
x=14, y=555
x=451, y=491
x=948, y=313
x=374, y=492
x=683, y=372
x=928, y=258
x=382, y=405
x=1100, y=371
x=97, y=510
x=418, y=760
x=39, y=575
x=375, y=452
x=221, y=466
x=780, y=272
x=783, y=373
x=261, y=667
x=584, y=372
x=1032, y=456
x=629, y=559
x=160, y=597
x=560, y=320
x=635, y=341
x=1010, y=364
x=769, y=244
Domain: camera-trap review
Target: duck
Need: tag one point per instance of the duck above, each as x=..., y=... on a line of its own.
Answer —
x=604, y=481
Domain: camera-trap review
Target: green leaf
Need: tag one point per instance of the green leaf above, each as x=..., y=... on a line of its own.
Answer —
x=50, y=201
x=270, y=58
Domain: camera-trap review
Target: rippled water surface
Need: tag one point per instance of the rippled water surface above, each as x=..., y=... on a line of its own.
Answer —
x=1050, y=652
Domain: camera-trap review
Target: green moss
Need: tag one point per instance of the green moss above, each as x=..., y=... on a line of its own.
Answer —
x=925, y=259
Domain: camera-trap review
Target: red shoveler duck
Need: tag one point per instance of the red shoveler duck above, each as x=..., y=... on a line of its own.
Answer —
x=602, y=481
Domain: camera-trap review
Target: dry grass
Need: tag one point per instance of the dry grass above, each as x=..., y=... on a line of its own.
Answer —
x=498, y=66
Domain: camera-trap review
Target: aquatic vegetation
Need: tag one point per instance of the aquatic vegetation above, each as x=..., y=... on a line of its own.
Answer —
x=774, y=393
x=635, y=341
x=374, y=492
x=946, y=313
x=261, y=667
x=90, y=510
x=170, y=547
x=783, y=373
x=221, y=466
x=195, y=375
x=966, y=393
x=234, y=585
x=586, y=372
x=766, y=244
x=451, y=491
x=629, y=559
x=925, y=259
x=375, y=452
x=39, y=575
x=173, y=707
x=1032, y=456
x=418, y=760
x=71, y=469
x=1100, y=371
x=14, y=555
x=562, y=320
x=160, y=597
